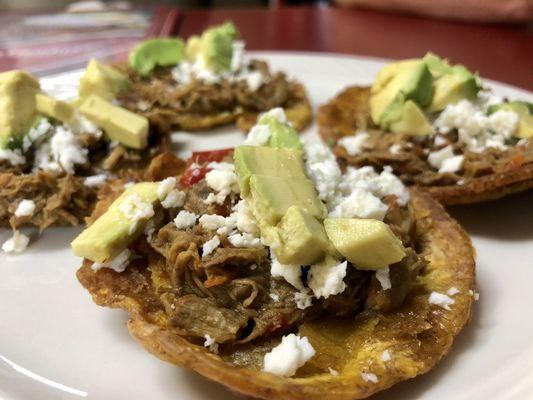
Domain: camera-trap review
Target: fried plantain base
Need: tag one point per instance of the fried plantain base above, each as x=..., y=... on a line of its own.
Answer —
x=484, y=176
x=416, y=335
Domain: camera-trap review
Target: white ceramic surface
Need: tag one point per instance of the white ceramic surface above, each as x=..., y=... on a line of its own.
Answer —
x=56, y=344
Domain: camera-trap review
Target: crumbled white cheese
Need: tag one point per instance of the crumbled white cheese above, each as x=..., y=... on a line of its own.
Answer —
x=322, y=168
x=143, y=105
x=476, y=130
x=385, y=356
x=36, y=134
x=83, y=125
x=369, y=377
x=149, y=229
x=26, y=208
x=244, y=240
x=359, y=204
x=452, y=291
x=303, y=299
x=136, y=210
x=212, y=221
x=16, y=244
x=175, y=199
x=222, y=179
x=291, y=273
x=383, y=276
x=327, y=278
x=445, y=161
x=440, y=141
x=395, y=148
x=274, y=296
x=95, y=180
x=288, y=356
x=118, y=264
x=127, y=185
x=441, y=300
x=333, y=372
x=165, y=187
x=258, y=135
x=61, y=153
x=185, y=219
x=276, y=113
x=210, y=344
x=14, y=157
x=246, y=221
x=210, y=246
x=354, y=144
x=254, y=79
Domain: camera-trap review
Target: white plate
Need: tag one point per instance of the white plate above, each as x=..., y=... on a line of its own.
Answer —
x=56, y=344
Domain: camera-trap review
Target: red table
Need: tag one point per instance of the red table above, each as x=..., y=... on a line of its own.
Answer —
x=500, y=52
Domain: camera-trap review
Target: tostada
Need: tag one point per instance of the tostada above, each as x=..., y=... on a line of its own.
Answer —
x=270, y=270
x=208, y=81
x=438, y=126
x=55, y=155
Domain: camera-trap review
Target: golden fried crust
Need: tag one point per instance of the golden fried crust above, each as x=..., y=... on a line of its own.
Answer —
x=298, y=110
x=417, y=335
x=349, y=111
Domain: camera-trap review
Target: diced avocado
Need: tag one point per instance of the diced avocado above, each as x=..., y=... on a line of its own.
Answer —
x=193, y=47
x=250, y=160
x=110, y=234
x=102, y=80
x=366, y=243
x=453, y=87
x=151, y=53
x=282, y=135
x=119, y=124
x=303, y=240
x=411, y=120
x=272, y=196
x=54, y=108
x=17, y=104
x=437, y=66
x=401, y=81
x=524, y=110
x=216, y=49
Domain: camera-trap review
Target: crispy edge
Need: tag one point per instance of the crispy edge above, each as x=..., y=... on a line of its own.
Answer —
x=349, y=110
x=298, y=110
x=451, y=262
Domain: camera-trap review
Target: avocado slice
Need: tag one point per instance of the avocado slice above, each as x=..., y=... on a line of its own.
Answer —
x=110, y=234
x=151, y=53
x=216, y=49
x=193, y=47
x=524, y=110
x=303, y=239
x=397, y=83
x=272, y=196
x=437, y=66
x=119, y=124
x=250, y=160
x=102, y=80
x=411, y=120
x=367, y=243
x=282, y=135
x=17, y=105
x=54, y=108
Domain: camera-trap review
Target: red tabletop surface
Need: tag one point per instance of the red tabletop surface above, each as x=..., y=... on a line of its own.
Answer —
x=500, y=52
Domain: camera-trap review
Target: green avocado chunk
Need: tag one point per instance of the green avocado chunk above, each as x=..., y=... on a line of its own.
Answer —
x=524, y=110
x=119, y=124
x=102, y=80
x=282, y=135
x=411, y=120
x=302, y=237
x=54, y=108
x=17, y=105
x=367, y=243
x=272, y=196
x=250, y=160
x=395, y=84
x=452, y=83
x=151, y=53
x=110, y=234
x=216, y=50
